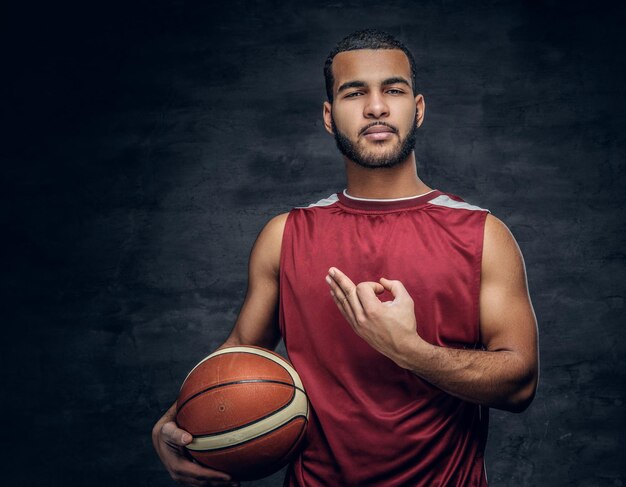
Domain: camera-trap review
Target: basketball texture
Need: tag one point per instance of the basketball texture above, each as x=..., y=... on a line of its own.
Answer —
x=246, y=409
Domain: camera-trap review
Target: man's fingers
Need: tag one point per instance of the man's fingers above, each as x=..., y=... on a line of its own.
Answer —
x=355, y=299
x=396, y=288
x=344, y=307
x=341, y=286
x=367, y=291
x=174, y=435
x=344, y=282
x=343, y=292
x=341, y=300
x=187, y=471
x=171, y=449
x=378, y=288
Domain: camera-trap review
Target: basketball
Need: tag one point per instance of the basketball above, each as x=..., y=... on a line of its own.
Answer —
x=246, y=409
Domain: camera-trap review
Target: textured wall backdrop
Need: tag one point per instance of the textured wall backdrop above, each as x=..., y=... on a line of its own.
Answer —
x=146, y=143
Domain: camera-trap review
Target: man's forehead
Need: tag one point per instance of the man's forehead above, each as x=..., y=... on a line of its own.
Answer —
x=370, y=65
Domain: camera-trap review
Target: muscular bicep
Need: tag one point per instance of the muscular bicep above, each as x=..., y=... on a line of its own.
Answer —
x=507, y=319
x=257, y=323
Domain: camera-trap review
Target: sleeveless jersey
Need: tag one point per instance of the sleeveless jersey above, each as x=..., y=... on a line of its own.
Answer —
x=373, y=422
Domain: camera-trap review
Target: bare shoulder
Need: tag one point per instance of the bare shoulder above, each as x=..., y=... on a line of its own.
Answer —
x=502, y=256
x=496, y=231
x=266, y=250
x=272, y=233
x=498, y=237
x=276, y=225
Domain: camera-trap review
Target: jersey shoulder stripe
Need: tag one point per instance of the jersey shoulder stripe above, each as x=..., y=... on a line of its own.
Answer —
x=323, y=202
x=445, y=200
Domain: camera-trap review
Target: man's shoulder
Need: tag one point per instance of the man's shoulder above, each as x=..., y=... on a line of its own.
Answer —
x=276, y=226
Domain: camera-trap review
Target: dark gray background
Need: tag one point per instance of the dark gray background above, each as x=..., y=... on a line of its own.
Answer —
x=145, y=144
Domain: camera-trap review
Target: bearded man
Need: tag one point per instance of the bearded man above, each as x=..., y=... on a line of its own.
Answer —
x=404, y=309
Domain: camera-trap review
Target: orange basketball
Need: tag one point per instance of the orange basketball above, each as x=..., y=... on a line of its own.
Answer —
x=246, y=409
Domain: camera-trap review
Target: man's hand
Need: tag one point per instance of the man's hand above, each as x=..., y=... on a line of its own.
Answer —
x=169, y=442
x=502, y=374
x=387, y=326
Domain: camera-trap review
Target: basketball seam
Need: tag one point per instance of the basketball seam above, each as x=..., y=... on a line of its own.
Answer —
x=272, y=413
x=258, y=351
x=306, y=421
x=242, y=381
x=223, y=351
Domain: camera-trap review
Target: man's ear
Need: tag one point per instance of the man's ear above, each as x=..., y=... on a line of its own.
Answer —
x=420, y=110
x=328, y=117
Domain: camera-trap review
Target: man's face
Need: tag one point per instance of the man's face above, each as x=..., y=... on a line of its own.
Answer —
x=373, y=114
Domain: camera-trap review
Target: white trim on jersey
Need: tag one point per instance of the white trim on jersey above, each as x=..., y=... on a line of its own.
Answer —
x=386, y=200
x=444, y=200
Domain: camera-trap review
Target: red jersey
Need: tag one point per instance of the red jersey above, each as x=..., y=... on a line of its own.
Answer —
x=373, y=422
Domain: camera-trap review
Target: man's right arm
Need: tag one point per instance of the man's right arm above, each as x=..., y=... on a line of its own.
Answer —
x=257, y=324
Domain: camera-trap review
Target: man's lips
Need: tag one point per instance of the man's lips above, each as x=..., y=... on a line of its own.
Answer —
x=378, y=132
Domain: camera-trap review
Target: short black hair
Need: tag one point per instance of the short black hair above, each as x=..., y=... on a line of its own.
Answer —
x=365, y=39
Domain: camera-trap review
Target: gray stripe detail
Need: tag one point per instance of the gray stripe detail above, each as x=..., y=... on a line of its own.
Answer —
x=323, y=202
x=443, y=200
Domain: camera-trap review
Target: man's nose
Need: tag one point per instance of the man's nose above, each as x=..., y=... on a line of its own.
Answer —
x=376, y=106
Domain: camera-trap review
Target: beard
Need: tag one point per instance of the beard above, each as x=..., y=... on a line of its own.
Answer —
x=391, y=158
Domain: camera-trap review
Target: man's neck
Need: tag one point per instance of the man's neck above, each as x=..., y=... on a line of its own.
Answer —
x=400, y=181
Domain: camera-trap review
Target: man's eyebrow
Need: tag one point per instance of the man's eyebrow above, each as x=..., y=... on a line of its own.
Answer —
x=361, y=84
x=395, y=80
x=351, y=84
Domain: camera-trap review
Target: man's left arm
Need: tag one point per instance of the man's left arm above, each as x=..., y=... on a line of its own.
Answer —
x=503, y=375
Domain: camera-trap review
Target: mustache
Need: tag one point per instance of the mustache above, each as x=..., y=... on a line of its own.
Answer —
x=373, y=124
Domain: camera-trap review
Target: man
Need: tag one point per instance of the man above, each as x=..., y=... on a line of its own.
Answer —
x=424, y=322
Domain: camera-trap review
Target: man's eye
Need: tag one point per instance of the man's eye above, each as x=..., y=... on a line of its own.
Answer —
x=394, y=91
x=353, y=94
